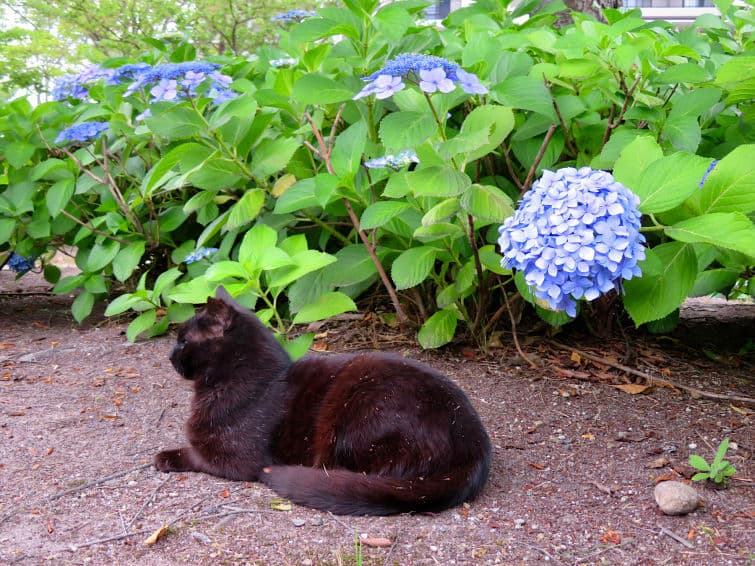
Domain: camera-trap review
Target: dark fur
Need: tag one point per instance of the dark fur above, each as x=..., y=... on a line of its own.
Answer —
x=351, y=434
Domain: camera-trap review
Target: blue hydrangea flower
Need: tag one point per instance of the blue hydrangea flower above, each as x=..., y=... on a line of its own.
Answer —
x=575, y=235
x=188, y=72
x=435, y=79
x=199, y=254
x=19, y=263
x=428, y=72
x=708, y=172
x=395, y=162
x=82, y=133
x=128, y=72
x=166, y=89
x=293, y=16
x=76, y=85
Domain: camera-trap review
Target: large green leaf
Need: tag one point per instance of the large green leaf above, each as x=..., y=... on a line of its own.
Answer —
x=18, y=153
x=260, y=238
x=669, y=181
x=378, y=213
x=246, y=209
x=525, y=93
x=669, y=273
x=636, y=156
x=100, y=255
x=272, y=155
x=732, y=230
x=438, y=330
x=730, y=187
x=304, y=262
x=486, y=202
x=127, y=260
x=413, y=266
x=403, y=130
x=353, y=265
x=437, y=182
x=496, y=121
x=175, y=121
x=140, y=324
x=318, y=89
x=58, y=195
x=329, y=304
x=82, y=305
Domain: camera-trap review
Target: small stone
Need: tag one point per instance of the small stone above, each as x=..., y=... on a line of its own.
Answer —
x=676, y=498
x=204, y=539
x=519, y=523
x=298, y=522
x=316, y=521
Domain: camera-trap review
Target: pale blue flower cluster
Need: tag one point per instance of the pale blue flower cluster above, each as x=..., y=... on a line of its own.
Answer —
x=293, y=16
x=428, y=72
x=708, y=172
x=76, y=85
x=395, y=162
x=283, y=62
x=575, y=235
x=19, y=263
x=199, y=254
x=82, y=133
x=171, y=81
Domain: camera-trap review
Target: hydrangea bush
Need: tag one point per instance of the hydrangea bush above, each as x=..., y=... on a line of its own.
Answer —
x=370, y=150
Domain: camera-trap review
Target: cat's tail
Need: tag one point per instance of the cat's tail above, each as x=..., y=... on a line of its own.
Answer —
x=344, y=492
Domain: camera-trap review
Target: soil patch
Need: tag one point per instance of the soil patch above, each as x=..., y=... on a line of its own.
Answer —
x=83, y=411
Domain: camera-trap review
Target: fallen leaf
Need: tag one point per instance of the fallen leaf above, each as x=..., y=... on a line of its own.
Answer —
x=575, y=357
x=624, y=436
x=588, y=436
x=379, y=542
x=50, y=525
x=280, y=504
x=666, y=477
x=16, y=413
x=117, y=402
x=691, y=534
x=225, y=493
x=152, y=539
x=658, y=463
x=610, y=536
x=50, y=450
x=536, y=465
x=5, y=346
x=741, y=410
x=633, y=388
x=320, y=346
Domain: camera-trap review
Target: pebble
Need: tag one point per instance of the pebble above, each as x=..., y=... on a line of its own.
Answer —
x=298, y=522
x=200, y=537
x=316, y=521
x=675, y=498
x=519, y=523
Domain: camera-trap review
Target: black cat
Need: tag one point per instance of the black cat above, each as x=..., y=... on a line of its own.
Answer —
x=352, y=434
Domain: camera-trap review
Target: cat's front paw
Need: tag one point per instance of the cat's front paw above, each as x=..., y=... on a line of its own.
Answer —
x=172, y=461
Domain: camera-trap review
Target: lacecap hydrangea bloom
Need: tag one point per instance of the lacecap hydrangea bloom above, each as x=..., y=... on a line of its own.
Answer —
x=76, y=85
x=293, y=16
x=199, y=254
x=173, y=81
x=575, y=235
x=82, y=133
x=429, y=73
x=19, y=263
x=396, y=162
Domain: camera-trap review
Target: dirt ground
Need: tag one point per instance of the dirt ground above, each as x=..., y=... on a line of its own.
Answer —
x=83, y=411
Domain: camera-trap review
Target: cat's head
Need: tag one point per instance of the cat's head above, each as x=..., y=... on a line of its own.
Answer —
x=204, y=336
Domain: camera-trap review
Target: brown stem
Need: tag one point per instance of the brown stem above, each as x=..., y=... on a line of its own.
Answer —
x=538, y=158
x=613, y=124
x=564, y=129
x=325, y=151
x=513, y=332
x=483, y=288
x=93, y=229
x=510, y=167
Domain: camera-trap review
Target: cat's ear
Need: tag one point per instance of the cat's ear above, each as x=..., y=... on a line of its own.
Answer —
x=221, y=315
x=223, y=295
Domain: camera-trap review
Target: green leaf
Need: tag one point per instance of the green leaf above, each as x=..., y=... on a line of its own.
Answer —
x=272, y=155
x=18, y=153
x=122, y=303
x=297, y=347
x=667, y=182
x=486, y=202
x=178, y=312
x=730, y=187
x=634, y=159
x=438, y=330
x=58, y=195
x=397, y=185
x=329, y=304
x=353, y=265
x=413, y=266
x=195, y=291
x=720, y=453
x=260, y=238
x=442, y=211
x=140, y=324
x=175, y=121
x=698, y=462
x=403, y=130
x=713, y=281
x=348, y=150
x=298, y=196
x=683, y=132
x=669, y=273
x=304, y=262
x=378, y=213
x=82, y=305
x=437, y=182
x=127, y=260
x=318, y=89
x=226, y=270
x=496, y=121
x=165, y=168
x=245, y=210
x=690, y=73
x=732, y=230
x=101, y=254
x=525, y=93
x=214, y=173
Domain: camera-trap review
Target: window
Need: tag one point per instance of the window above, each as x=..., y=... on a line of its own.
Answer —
x=439, y=10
